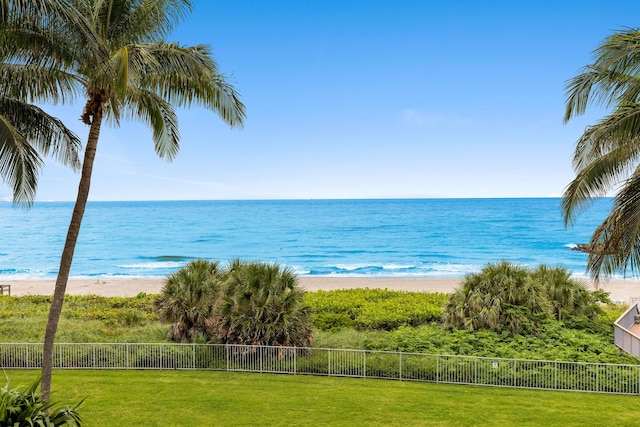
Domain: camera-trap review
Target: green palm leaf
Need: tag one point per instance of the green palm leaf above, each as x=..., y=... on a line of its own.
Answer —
x=607, y=155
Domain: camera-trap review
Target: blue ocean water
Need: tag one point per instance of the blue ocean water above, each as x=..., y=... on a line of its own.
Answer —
x=385, y=238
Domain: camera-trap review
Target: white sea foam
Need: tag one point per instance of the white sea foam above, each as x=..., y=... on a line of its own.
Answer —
x=30, y=275
x=153, y=265
x=397, y=266
x=352, y=267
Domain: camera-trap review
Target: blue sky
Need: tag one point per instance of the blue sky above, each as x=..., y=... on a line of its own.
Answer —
x=368, y=99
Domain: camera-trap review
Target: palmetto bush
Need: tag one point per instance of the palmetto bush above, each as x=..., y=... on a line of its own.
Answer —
x=25, y=408
x=570, y=299
x=251, y=303
x=262, y=304
x=187, y=301
x=507, y=297
x=503, y=296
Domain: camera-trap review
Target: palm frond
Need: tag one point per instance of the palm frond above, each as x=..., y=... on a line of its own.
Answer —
x=45, y=132
x=150, y=20
x=160, y=116
x=617, y=131
x=617, y=239
x=188, y=75
x=19, y=163
x=27, y=130
x=605, y=155
x=38, y=84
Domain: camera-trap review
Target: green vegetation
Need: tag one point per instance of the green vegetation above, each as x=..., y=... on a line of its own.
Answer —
x=262, y=304
x=27, y=132
x=554, y=342
x=252, y=303
x=500, y=297
x=186, y=398
x=606, y=156
x=85, y=319
x=372, y=309
x=187, y=301
x=507, y=297
x=24, y=407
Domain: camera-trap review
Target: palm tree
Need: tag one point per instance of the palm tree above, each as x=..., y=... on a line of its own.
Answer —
x=112, y=53
x=262, y=304
x=187, y=301
x=607, y=155
x=500, y=297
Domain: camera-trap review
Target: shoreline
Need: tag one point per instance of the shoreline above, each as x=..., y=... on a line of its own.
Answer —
x=623, y=291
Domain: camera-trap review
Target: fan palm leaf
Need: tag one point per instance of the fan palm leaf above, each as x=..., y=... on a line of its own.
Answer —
x=262, y=304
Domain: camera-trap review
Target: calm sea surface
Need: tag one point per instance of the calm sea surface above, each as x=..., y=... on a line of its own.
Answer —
x=386, y=238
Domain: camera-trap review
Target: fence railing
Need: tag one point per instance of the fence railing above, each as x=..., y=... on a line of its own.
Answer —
x=624, y=338
x=535, y=374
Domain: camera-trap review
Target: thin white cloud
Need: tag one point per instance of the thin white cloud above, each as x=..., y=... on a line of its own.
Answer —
x=415, y=118
x=171, y=179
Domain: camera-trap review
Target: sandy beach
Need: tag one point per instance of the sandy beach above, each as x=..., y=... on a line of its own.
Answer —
x=622, y=291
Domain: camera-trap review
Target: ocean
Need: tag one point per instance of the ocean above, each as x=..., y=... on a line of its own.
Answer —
x=352, y=238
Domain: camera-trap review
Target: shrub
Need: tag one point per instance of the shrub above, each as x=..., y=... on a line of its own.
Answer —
x=26, y=408
x=366, y=308
x=570, y=299
x=187, y=301
x=262, y=304
x=503, y=296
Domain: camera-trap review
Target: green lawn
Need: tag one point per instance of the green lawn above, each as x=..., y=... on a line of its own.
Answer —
x=207, y=398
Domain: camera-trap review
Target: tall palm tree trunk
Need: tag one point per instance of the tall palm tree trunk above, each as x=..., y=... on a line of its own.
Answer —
x=67, y=256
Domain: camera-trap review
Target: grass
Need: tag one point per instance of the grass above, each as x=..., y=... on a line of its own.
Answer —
x=196, y=398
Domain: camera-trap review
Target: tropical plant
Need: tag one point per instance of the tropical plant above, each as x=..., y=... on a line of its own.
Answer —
x=26, y=134
x=20, y=407
x=26, y=131
x=500, y=297
x=606, y=157
x=113, y=54
x=262, y=304
x=569, y=298
x=187, y=301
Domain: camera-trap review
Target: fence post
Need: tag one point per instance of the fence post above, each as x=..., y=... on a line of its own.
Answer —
x=27, y=346
x=226, y=348
x=400, y=372
x=475, y=371
x=364, y=371
x=295, y=360
x=329, y=362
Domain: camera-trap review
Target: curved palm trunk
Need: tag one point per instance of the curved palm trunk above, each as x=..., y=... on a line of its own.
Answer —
x=67, y=257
